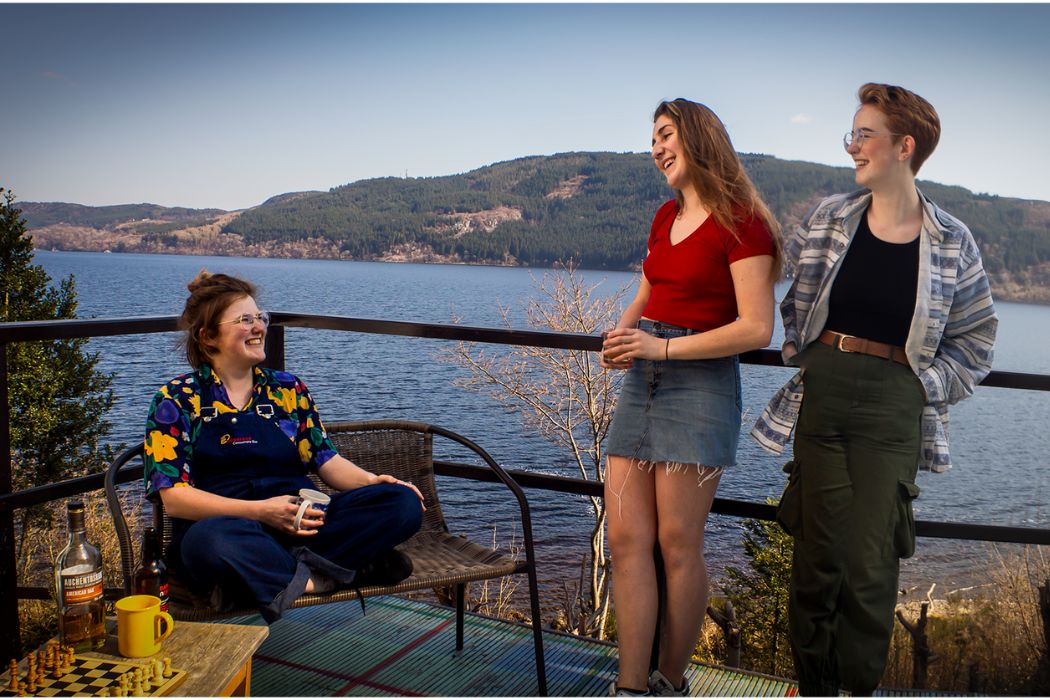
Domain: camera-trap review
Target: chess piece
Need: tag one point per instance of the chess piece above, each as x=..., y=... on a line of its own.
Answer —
x=12, y=670
x=158, y=672
x=167, y=667
x=138, y=686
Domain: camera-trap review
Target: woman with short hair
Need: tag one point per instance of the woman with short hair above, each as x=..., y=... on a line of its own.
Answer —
x=890, y=319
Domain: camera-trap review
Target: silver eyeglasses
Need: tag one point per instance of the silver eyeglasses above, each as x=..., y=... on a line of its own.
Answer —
x=248, y=320
x=861, y=135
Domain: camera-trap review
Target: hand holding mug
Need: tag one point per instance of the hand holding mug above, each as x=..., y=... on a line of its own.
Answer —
x=611, y=350
x=314, y=501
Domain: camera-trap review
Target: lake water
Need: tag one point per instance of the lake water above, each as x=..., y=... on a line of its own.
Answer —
x=1000, y=438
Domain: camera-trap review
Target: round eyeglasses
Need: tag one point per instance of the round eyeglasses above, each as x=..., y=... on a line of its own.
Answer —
x=248, y=320
x=859, y=136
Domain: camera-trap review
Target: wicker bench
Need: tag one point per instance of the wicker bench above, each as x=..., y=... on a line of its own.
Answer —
x=440, y=559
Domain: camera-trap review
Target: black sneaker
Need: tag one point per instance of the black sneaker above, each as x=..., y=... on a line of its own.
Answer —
x=387, y=570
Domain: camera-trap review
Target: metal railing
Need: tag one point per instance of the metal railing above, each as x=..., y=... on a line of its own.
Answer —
x=10, y=592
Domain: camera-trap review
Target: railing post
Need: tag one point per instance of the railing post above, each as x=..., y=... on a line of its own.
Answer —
x=275, y=348
x=10, y=644
x=661, y=607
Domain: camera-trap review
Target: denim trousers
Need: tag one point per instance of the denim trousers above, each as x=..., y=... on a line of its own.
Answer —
x=848, y=505
x=254, y=564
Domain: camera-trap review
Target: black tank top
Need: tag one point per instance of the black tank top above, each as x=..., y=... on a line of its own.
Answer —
x=873, y=295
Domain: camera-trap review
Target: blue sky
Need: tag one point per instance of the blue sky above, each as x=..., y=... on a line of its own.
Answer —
x=226, y=105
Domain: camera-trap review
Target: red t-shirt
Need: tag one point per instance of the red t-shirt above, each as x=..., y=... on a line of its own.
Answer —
x=691, y=283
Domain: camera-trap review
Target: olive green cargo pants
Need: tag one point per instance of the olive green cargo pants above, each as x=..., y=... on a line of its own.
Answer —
x=848, y=506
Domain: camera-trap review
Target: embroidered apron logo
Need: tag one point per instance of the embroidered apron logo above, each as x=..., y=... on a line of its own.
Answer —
x=227, y=439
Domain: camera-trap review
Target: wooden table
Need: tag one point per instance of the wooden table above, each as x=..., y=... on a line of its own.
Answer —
x=217, y=657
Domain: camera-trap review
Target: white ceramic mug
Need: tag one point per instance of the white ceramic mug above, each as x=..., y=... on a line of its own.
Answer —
x=309, y=498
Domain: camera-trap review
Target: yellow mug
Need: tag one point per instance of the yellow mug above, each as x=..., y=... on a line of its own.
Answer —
x=139, y=623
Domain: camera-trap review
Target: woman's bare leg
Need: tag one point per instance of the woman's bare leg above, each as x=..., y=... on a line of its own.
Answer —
x=683, y=501
x=631, y=504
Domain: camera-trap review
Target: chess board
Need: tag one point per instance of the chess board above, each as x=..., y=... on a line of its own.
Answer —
x=89, y=677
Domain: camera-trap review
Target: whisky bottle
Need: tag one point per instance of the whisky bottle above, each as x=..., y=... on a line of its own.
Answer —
x=78, y=583
x=151, y=575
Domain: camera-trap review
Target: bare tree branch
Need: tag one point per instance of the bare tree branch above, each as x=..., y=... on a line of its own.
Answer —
x=567, y=398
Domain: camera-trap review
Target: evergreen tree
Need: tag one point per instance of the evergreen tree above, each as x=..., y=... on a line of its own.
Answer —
x=760, y=598
x=58, y=399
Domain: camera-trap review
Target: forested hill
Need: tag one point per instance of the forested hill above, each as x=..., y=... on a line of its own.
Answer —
x=592, y=207
x=42, y=214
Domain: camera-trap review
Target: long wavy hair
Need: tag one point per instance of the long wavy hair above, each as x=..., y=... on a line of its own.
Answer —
x=716, y=170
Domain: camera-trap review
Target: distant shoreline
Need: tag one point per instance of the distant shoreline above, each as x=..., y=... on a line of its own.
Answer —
x=592, y=207
x=1005, y=287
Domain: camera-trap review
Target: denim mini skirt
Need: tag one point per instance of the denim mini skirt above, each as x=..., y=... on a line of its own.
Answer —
x=678, y=411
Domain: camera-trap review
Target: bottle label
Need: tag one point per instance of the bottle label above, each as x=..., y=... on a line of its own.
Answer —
x=164, y=596
x=81, y=584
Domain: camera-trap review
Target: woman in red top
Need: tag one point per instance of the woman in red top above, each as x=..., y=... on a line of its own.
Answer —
x=706, y=294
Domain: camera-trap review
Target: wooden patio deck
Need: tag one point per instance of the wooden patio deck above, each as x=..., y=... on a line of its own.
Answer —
x=406, y=648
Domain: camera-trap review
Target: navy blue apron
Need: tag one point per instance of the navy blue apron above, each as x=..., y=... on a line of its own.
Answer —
x=245, y=455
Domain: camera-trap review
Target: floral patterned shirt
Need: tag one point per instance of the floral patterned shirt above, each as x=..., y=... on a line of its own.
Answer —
x=174, y=421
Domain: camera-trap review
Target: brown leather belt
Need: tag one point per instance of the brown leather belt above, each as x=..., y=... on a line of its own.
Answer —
x=850, y=343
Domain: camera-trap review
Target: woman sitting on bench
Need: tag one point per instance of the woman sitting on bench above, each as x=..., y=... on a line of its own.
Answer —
x=227, y=449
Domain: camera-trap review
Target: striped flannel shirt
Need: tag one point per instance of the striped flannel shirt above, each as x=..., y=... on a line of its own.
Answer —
x=952, y=331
